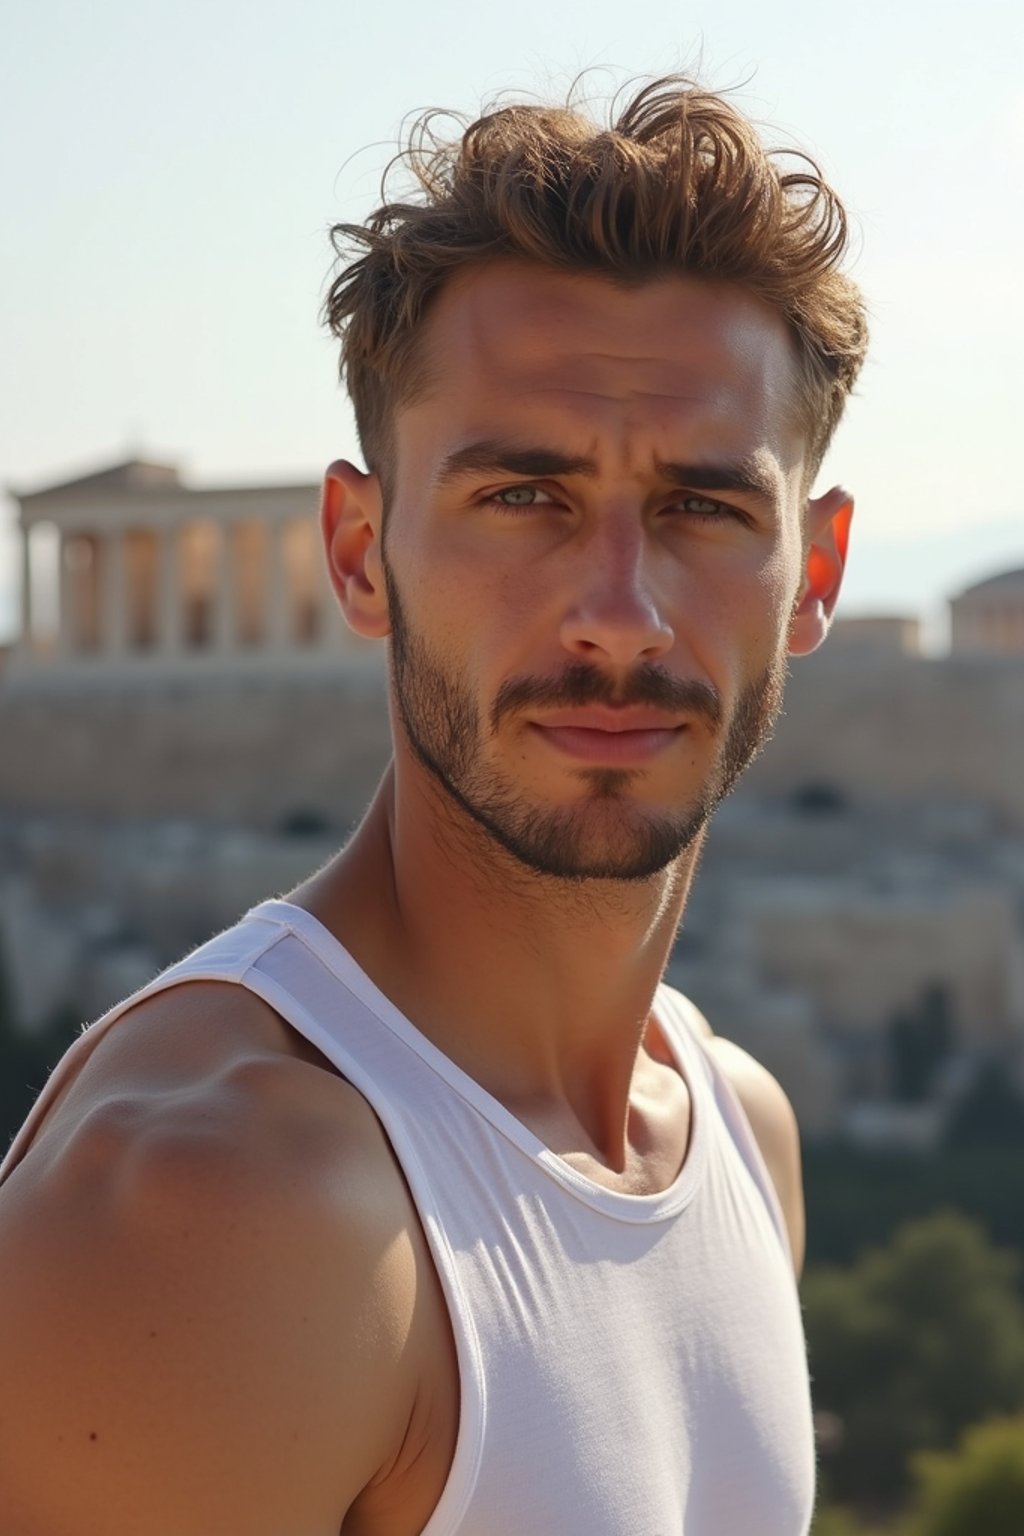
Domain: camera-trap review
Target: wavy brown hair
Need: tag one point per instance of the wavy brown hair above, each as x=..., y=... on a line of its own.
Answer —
x=680, y=182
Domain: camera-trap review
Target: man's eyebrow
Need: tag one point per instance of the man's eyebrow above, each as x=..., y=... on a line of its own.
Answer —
x=747, y=475
x=494, y=456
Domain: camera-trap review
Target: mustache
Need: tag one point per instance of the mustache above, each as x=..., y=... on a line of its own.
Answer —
x=583, y=684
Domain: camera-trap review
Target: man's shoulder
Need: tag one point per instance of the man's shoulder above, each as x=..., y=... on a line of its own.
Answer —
x=200, y=1052
x=203, y=1094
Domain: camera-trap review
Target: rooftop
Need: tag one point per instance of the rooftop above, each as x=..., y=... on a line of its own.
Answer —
x=1002, y=581
x=132, y=476
x=135, y=477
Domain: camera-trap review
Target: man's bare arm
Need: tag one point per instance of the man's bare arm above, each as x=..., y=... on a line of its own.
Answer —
x=205, y=1317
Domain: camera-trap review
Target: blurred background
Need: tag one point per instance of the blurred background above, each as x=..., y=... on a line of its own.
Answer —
x=186, y=727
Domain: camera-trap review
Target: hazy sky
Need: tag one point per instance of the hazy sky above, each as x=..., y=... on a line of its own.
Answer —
x=170, y=167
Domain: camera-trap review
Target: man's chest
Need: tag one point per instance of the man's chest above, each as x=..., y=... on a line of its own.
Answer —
x=666, y=1395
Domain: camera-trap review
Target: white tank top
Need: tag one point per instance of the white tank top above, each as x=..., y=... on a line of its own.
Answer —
x=630, y=1365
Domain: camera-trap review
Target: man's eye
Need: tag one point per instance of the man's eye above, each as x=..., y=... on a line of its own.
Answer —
x=703, y=506
x=521, y=496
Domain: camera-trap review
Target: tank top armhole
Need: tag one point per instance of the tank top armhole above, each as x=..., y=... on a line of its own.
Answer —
x=736, y=1118
x=447, y=1515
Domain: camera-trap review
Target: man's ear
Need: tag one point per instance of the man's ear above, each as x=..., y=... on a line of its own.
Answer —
x=826, y=535
x=351, y=520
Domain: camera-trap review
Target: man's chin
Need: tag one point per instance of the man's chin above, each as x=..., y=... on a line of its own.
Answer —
x=604, y=841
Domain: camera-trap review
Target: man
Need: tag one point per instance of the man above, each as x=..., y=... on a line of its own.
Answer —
x=415, y=1203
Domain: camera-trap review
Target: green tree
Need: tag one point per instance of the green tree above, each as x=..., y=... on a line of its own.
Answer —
x=919, y=1040
x=831, y=1520
x=857, y=1199
x=911, y=1346
x=976, y=1490
x=991, y=1113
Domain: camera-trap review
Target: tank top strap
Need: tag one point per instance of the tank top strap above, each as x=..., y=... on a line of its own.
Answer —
x=732, y=1119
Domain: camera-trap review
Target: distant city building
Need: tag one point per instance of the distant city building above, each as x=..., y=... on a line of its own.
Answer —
x=876, y=635
x=988, y=618
x=130, y=569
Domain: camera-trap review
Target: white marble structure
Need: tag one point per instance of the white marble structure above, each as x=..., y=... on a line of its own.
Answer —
x=988, y=618
x=875, y=636
x=129, y=571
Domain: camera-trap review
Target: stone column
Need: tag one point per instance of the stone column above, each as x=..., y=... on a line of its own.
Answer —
x=224, y=638
x=168, y=593
x=65, y=618
x=335, y=634
x=278, y=626
x=26, y=638
x=113, y=596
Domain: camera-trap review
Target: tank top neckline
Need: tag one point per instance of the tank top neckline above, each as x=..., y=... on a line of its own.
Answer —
x=635, y=1209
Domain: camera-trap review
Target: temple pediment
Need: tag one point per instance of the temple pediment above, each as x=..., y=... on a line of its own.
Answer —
x=132, y=477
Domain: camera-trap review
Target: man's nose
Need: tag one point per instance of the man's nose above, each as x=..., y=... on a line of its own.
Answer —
x=613, y=614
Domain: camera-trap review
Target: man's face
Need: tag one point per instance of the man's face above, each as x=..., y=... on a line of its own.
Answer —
x=592, y=553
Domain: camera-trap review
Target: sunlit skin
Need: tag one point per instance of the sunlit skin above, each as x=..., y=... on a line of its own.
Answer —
x=605, y=486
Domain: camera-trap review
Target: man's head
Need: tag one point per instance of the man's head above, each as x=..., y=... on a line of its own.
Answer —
x=594, y=373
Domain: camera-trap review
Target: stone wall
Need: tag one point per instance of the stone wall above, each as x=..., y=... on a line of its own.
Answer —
x=903, y=729
x=246, y=752
x=257, y=751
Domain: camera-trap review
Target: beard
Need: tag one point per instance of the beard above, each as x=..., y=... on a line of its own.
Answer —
x=606, y=836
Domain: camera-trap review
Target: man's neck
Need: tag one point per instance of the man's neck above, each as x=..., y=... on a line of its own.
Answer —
x=540, y=989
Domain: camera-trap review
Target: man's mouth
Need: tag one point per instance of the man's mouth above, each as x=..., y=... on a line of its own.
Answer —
x=622, y=736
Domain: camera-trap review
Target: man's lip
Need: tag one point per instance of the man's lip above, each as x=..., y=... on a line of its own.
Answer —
x=626, y=746
x=598, y=718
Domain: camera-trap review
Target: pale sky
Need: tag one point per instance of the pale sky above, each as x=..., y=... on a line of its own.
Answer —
x=170, y=168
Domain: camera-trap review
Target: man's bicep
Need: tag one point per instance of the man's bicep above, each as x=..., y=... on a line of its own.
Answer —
x=181, y=1353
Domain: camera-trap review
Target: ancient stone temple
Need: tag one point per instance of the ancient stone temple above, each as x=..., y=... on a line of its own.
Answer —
x=130, y=571
x=988, y=618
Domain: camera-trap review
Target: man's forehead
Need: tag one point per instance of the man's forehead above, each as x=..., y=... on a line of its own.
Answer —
x=514, y=314
x=668, y=355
